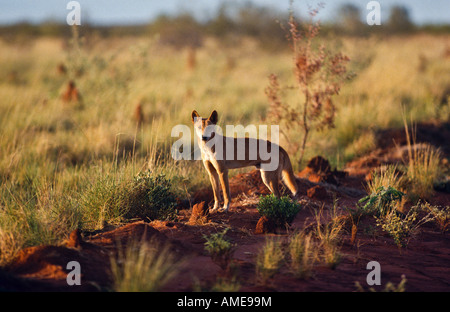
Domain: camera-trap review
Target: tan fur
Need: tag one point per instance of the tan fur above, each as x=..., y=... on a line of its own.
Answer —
x=218, y=169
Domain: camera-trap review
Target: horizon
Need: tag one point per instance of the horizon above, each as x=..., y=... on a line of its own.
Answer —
x=116, y=12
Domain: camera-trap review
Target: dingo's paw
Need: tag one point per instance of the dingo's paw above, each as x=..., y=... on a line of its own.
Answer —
x=224, y=208
x=215, y=208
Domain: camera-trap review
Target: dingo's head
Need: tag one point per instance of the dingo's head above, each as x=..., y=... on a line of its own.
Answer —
x=204, y=127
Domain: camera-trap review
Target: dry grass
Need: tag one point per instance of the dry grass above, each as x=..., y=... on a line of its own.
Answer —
x=303, y=254
x=269, y=260
x=53, y=151
x=423, y=168
x=143, y=267
x=387, y=176
x=328, y=231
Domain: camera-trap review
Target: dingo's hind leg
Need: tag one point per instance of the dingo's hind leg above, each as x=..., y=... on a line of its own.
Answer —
x=287, y=175
x=270, y=179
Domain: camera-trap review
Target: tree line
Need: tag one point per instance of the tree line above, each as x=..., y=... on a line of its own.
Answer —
x=230, y=21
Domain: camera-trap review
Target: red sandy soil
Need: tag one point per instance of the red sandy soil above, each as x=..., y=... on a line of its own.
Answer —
x=425, y=262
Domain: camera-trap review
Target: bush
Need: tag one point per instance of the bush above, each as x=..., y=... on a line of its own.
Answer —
x=280, y=211
x=151, y=197
x=441, y=215
x=380, y=202
x=319, y=74
x=112, y=199
x=402, y=227
x=219, y=248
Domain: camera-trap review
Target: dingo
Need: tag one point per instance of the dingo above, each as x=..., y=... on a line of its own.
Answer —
x=217, y=162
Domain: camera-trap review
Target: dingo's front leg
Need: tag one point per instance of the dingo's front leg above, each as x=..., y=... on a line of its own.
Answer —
x=223, y=176
x=214, y=179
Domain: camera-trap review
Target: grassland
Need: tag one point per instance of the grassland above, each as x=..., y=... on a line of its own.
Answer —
x=62, y=161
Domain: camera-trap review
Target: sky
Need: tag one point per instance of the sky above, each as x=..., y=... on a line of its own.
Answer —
x=109, y=12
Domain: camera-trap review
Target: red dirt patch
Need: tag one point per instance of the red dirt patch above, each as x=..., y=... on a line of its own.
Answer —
x=49, y=265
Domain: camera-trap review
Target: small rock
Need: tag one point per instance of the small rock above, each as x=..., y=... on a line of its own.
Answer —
x=75, y=239
x=200, y=213
x=317, y=192
x=319, y=170
x=264, y=226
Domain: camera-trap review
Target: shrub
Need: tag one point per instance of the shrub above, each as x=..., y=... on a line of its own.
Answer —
x=441, y=215
x=113, y=198
x=280, y=211
x=402, y=227
x=319, y=74
x=219, y=248
x=399, y=228
x=380, y=202
x=151, y=197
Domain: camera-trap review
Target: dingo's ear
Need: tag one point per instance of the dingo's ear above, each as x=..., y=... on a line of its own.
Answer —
x=194, y=115
x=213, y=118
